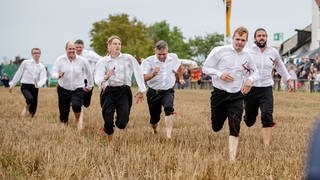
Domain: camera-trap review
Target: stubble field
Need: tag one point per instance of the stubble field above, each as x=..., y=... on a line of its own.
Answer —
x=43, y=148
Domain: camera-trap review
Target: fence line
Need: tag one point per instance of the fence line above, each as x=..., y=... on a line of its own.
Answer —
x=299, y=85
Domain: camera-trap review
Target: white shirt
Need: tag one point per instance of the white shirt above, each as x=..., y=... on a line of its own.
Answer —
x=124, y=66
x=165, y=78
x=227, y=59
x=30, y=72
x=92, y=58
x=74, y=72
x=265, y=62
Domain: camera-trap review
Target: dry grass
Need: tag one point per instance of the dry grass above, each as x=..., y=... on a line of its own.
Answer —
x=42, y=148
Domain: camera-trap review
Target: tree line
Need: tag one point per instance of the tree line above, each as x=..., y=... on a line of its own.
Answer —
x=138, y=39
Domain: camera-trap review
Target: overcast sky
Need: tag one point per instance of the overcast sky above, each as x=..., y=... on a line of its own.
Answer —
x=49, y=24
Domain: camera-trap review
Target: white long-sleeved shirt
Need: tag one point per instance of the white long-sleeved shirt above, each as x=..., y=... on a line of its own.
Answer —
x=74, y=72
x=165, y=78
x=30, y=72
x=124, y=66
x=265, y=62
x=226, y=59
x=92, y=58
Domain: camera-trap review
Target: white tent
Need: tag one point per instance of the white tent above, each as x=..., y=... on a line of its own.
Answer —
x=189, y=62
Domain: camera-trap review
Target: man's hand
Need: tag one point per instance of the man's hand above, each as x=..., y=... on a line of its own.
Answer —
x=155, y=71
x=246, y=87
x=10, y=89
x=226, y=76
x=138, y=97
x=182, y=81
x=60, y=75
x=36, y=84
x=87, y=89
x=109, y=73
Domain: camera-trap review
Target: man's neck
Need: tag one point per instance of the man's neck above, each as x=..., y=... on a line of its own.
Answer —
x=262, y=49
x=114, y=55
x=36, y=60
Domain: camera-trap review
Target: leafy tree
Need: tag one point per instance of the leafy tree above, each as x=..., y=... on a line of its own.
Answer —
x=174, y=38
x=160, y=31
x=200, y=47
x=177, y=44
x=133, y=34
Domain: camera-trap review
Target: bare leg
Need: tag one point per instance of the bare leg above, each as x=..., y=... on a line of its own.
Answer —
x=169, y=125
x=109, y=138
x=233, y=145
x=154, y=127
x=79, y=119
x=266, y=134
x=24, y=111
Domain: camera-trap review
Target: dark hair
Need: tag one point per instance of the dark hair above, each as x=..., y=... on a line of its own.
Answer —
x=161, y=45
x=79, y=41
x=260, y=29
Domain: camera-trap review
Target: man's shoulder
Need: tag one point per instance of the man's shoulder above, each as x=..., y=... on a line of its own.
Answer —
x=150, y=58
x=62, y=57
x=90, y=53
x=273, y=50
x=127, y=56
x=223, y=48
x=27, y=61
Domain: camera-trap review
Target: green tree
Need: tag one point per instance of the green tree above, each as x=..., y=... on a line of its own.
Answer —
x=174, y=38
x=200, y=47
x=177, y=44
x=160, y=31
x=133, y=33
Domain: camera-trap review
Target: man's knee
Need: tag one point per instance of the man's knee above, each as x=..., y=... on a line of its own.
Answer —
x=249, y=120
x=216, y=126
x=267, y=120
x=76, y=108
x=168, y=111
x=108, y=130
x=86, y=104
x=121, y=125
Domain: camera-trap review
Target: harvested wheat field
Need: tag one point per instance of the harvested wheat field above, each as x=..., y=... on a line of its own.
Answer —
x=43, y=148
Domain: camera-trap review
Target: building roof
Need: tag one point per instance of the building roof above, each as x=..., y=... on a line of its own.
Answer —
x=296, y=42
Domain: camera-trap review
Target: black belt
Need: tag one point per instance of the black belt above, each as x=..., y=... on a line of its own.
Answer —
x=118, y=87
x=160, y=91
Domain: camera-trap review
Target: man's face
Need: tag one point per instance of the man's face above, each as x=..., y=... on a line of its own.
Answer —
x=36, y=54
x=71, y=51
x=79, y=48
x=115, y=46
x=260, y=39
x=239, y=41
x=162, y=54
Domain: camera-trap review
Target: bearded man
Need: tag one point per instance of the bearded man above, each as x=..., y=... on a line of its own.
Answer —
x=266, y=59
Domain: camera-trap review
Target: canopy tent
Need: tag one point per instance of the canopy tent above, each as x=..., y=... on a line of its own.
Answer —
x=189, y=62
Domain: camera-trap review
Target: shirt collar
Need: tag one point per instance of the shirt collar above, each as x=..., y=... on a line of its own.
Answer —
x=167, y=59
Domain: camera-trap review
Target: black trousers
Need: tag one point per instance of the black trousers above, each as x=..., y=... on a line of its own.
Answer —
x=226, y=105
x=259, y=97
x=116, y=99
x=30, y=93
x=158, y=98
x=87, y=98
x=67, y=98
x=87, y=95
